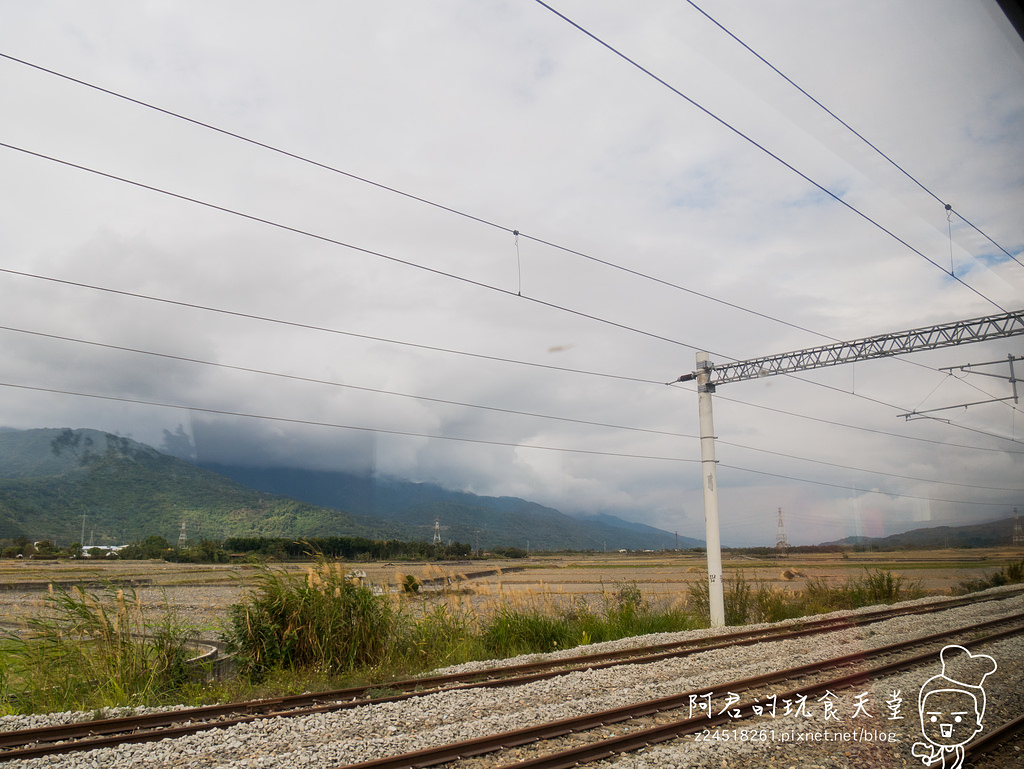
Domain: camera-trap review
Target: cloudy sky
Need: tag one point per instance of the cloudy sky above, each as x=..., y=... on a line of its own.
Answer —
x=303, y=244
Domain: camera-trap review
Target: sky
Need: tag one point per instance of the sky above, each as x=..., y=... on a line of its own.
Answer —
x=470, y=243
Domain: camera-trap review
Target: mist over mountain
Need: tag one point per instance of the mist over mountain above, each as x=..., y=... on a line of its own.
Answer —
x=65, y=485
x=461, y=516
x=103, y=489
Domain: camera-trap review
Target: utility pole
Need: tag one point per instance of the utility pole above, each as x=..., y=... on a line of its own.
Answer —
x=709, y=477
x=708, y=376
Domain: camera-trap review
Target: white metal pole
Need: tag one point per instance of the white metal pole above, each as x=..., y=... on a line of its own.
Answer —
x=716, y=593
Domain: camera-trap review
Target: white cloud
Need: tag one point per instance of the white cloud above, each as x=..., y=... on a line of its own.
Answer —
x=507, y=113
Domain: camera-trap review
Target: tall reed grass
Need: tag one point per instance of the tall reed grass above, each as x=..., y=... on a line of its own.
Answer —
x=323, y=621
x=87, y=650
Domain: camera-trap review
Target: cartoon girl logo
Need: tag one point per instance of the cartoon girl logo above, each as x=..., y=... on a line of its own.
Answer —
x=952, y=706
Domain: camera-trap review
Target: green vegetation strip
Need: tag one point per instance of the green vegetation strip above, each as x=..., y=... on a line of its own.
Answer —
x=324, y=628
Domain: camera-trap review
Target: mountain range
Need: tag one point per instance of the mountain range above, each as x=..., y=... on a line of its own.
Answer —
x=989, y=534
x=416, y=508
x=86, y=485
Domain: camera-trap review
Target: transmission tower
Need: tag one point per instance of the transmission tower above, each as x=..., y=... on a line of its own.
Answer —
x=709, y=376
x=182, y=539
x=1018, y=532
x=437, y=531
x=780, y=537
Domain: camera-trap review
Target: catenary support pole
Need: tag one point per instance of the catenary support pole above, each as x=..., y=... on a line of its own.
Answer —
x=709, y=474
x=881, y=346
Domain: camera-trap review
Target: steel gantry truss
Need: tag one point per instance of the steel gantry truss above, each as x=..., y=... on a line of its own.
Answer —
x=709, y=376
x=880, y=346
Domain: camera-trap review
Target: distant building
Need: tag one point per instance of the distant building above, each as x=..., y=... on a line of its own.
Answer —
x=102, y=551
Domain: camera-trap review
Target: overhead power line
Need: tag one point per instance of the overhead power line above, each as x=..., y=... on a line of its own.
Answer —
x=350, y=246
x=330, y=383
x=312, y=327
x=845, y=487
x=417, y=198
x=411, y=434
x=318, y=423
x=464, y=353
x=447, y=402
x=343, y=244
x=946, y=206
x=753, y=142
x=861, y=428
x=840, y=466
x=423, y=200
x=386, y=256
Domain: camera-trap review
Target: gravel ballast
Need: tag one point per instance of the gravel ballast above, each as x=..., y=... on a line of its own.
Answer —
x=865, y=727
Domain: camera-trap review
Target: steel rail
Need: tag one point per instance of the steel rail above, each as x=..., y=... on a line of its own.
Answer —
x=644, y=737
x=509, y=675
x=993, y=739
x=107, y=732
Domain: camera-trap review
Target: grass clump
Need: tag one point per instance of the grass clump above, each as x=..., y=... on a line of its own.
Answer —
x=746, y=603
x=513, y=631
x=442, y=636
x=874, y=587
x=1011, y=574
x=88, y=650
x=627, y=613
x=624, y=612
x=322, y=621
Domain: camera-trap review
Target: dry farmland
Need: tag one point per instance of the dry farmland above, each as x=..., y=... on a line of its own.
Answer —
x=202, y=593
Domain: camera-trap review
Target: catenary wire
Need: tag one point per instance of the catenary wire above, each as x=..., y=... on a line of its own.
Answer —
x=426, y=201
x=351, y=246
x=317, y=423
x=429, y=202
x=360, y=249
x=406, y=433
x=880, y=402
x=851, y=129
x=432, y=348
x=845, y=487
x=721, y=121
x=637, y=273
x=343, y=244
x=312, y=327
x=515, y=412
x=861, y=428
x=410, y=196
x=330, y=383
x=839, y=466
x=869, y=400
x=295, y=324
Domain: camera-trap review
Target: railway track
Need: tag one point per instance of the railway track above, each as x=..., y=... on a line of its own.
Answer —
x=715, y=714
x=96, y=734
